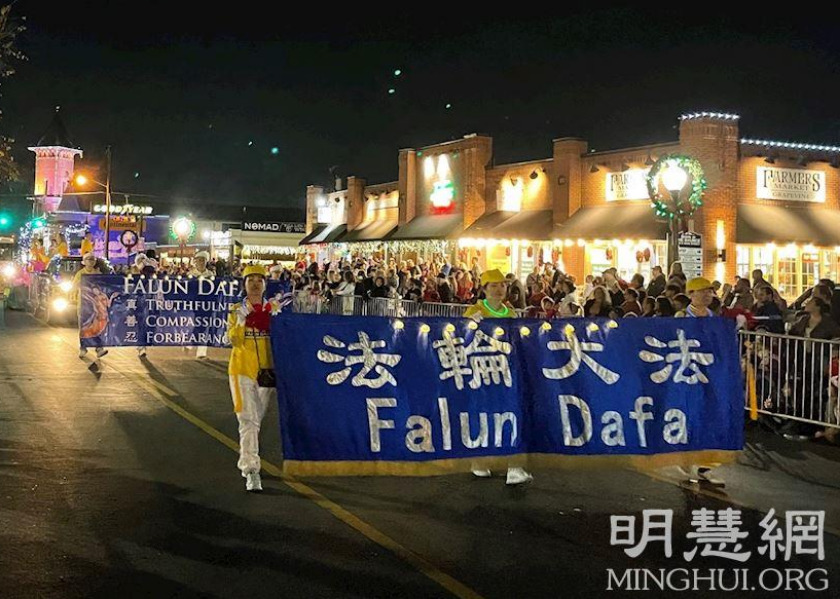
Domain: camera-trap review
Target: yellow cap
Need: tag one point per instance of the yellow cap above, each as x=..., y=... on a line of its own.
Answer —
x=254, y=269
x=492, y=276
x=698, y=284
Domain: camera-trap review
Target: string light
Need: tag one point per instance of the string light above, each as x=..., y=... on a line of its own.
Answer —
x=472, y=325
x=524, y=331
x=569, y=330
x=424, y=328
x=546, y=326
x=790, y=145
x=399, y=325
x=714, y=115
x=499, y=331
x=612, y=324
x=592, y=327
x=449, y=328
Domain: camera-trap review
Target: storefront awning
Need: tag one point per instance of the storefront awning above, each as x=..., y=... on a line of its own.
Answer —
x=528, y=224
x=373, y=231
x=429, y=227
x=615, y=221
x=315, y=232
x=768, y=224
x=324, y=234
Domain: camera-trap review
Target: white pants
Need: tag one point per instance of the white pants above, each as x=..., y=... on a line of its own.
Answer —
x=201, y=351
x=254, y=404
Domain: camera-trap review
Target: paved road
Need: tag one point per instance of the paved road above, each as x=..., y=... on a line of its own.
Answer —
x=122, y=483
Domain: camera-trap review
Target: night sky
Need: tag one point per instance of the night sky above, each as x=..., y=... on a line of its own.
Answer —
x=179, y=95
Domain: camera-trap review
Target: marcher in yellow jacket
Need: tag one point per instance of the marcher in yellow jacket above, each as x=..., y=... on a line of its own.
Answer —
x=495, y=306
x=248, y=329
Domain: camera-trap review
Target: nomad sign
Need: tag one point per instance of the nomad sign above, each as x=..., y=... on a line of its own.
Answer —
x=790, y=184
x=274, y=227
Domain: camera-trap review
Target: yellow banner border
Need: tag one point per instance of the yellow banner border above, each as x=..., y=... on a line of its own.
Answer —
x=685, y=459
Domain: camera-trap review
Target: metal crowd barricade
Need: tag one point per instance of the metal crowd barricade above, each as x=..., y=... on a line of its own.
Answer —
x=442, y=310
x=385, y=306
x=794, y=377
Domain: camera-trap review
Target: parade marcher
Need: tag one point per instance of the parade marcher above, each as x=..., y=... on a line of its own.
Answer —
x=701, y=292
x=88, y=268
x=493, y=306
x=199, y=269
x=147, y=267
x=251, y=370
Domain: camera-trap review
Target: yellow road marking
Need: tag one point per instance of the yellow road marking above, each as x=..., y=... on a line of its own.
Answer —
x=457, y=588
x=450, y=584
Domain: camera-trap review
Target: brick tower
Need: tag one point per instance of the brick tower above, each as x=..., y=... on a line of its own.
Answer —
x=54, y=163
x=712, y=138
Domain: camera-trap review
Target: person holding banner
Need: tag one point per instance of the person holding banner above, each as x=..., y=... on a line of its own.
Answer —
x=493, y=305
x=88, y=268
x=147, y=267
x=251, y=369
x=700, y=293
x=199, y=270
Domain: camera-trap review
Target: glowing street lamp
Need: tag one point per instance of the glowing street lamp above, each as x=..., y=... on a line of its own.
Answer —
x=183, y=230
x=82, y=180
x=674, y=178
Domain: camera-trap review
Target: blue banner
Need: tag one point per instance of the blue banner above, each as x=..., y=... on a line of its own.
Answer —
x=165, y=311
x=368, y=395
x=133, y=311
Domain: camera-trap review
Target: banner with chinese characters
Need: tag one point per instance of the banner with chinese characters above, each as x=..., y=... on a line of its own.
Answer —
x=367, y=395
x=164, y=311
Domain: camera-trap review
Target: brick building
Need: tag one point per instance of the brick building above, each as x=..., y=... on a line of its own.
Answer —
x=769, y=205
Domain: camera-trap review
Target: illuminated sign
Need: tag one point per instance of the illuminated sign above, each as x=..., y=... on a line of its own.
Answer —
x=443, y=194
x=123, y=209
x=275, y=227
x=627, y=185
x=790, y=184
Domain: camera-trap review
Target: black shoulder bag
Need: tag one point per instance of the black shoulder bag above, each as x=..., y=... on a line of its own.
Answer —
x=265, y=376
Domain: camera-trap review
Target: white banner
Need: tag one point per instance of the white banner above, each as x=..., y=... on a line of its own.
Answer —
x=627, y=185
x=790, y=184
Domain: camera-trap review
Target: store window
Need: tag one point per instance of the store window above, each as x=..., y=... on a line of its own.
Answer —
x=763, y=260
x=791, y=269
x=743, y=267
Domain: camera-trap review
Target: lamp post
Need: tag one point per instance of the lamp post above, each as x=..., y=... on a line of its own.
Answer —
x=82, y=180
x=674, y=177
x=183, y=228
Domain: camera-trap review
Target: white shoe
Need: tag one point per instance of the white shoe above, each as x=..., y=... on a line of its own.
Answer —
x=702, y=474
x=253, y=483
x=101, y=351
x=82, y=352
x=517, y=476
x=482, y=473
x=141, y=352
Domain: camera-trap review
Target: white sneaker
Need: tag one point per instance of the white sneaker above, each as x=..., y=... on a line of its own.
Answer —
x=482, y=473
x=253, y=483
x=82, y=352
x=517, y=476
x=141, y=352
x=101, y=351
x=702, y=474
